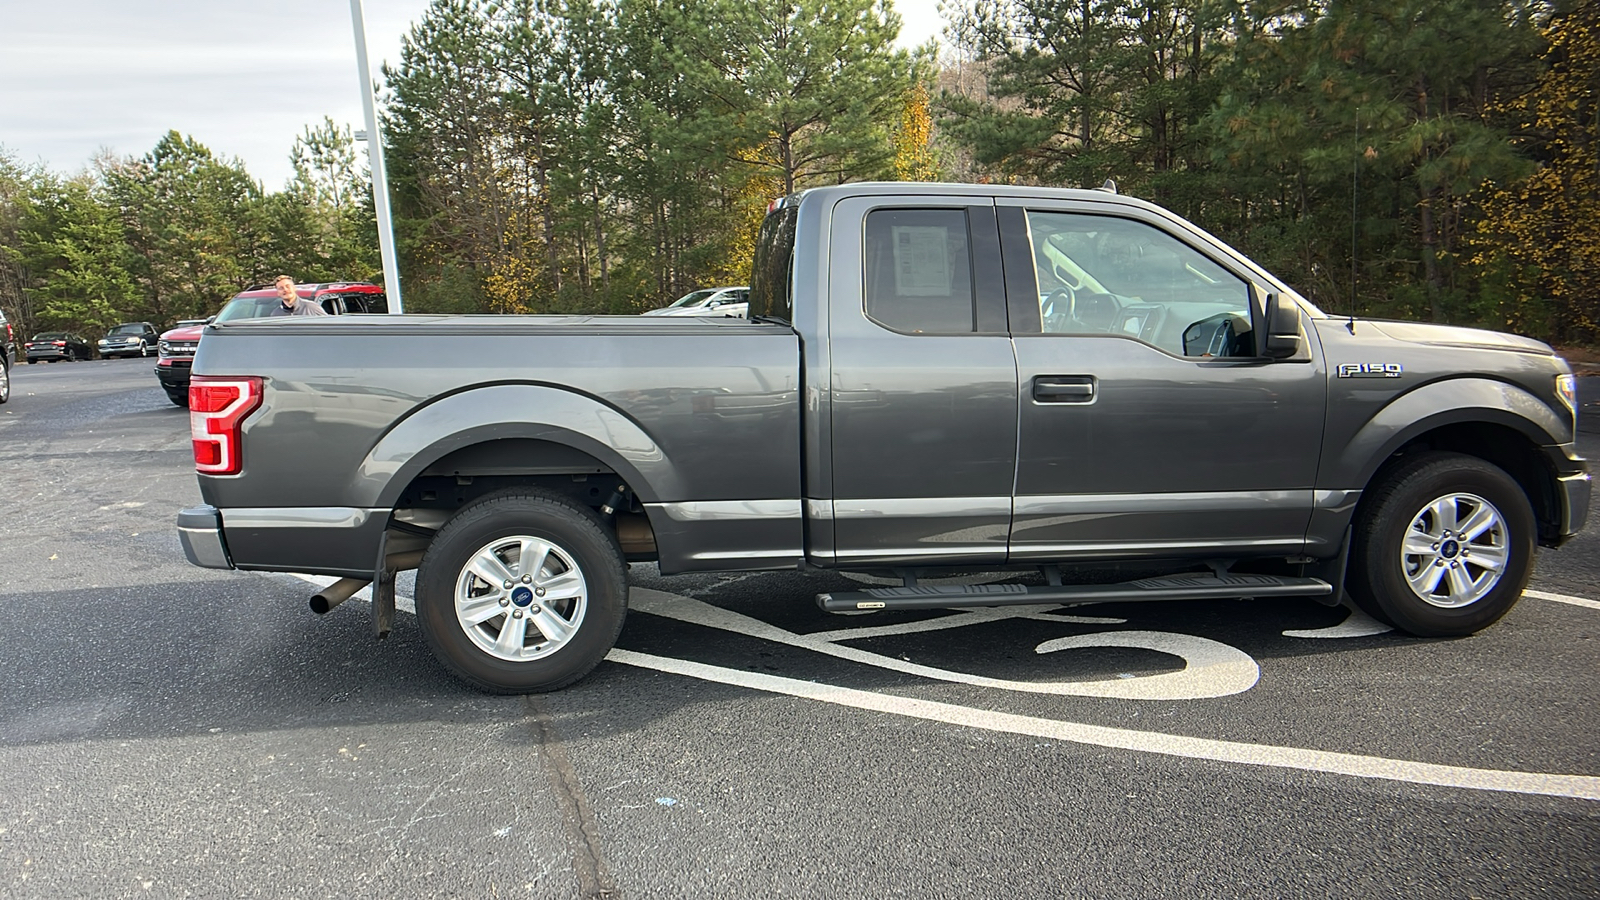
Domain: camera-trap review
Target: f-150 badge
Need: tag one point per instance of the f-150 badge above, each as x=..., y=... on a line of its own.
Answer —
x=1370, y=370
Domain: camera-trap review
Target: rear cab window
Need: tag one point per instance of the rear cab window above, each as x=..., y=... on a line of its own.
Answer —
x=771, y=276
x=918, y=271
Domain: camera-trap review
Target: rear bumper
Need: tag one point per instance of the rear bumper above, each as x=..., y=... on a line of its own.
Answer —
x=200, y=533
x=323, y=540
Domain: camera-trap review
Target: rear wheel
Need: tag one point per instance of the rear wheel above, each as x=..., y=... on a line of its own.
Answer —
x=1443, y=547
x=521, y=592
x=5, y=381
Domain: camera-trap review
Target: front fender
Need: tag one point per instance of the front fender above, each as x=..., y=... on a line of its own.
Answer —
x=1440, y=403
x=501, y=411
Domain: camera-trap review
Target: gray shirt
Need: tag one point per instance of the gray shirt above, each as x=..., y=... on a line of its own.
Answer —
x=301, y=308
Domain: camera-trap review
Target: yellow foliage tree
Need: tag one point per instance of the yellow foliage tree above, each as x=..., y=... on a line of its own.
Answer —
x=762, y=185
x=914, y=158
x=1539, y=240
x=514, y=272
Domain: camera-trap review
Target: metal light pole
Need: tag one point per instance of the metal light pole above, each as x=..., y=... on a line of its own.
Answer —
x=380, y=177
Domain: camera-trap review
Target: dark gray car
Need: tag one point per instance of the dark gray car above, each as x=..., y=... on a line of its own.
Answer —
x=931, y=378
x=130, y=339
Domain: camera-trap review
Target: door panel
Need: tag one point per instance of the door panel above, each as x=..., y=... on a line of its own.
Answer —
x=1147, y=425
x=924, y=411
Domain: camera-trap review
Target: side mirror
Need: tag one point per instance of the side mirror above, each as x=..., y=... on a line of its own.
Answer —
x=1283, y=328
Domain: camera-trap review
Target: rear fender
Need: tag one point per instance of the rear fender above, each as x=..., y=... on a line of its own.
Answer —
x=513, y=411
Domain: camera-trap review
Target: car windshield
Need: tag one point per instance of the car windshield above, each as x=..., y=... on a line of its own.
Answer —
x=694, y=298
x=128, y=329
x=247, y=308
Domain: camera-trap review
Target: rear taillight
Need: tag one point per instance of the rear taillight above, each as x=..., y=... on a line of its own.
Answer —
x=218, y=405
x=61, y=343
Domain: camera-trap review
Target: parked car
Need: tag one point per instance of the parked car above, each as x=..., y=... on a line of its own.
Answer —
x=129, y=339
x=53, y=345
x=1059, y=382
x=8, y=355
x=724, y=301
x=176, y=346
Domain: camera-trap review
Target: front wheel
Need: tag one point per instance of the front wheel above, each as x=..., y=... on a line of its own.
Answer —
x=1443, y=547
x=521, y=592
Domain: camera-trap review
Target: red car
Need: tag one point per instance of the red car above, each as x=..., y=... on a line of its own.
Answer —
x=177, y=346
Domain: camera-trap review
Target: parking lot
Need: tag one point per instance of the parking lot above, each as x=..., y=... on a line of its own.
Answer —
x=170, y=731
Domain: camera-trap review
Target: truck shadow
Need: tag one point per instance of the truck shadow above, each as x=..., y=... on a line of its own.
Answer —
x=244, y=654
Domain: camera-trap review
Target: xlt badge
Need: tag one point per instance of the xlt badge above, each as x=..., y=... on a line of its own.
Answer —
x=1370, y=370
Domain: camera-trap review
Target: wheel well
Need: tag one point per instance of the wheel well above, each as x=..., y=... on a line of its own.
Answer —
x=1502, y=446
x=465, y=474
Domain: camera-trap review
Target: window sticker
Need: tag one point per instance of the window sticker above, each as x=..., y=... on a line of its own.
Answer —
x=921, y=260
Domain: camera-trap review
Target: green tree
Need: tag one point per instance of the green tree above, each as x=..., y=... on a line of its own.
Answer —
x=191, y=223
x=816, y=83
x=1081, y=91
x=72, y=241
x=322, y=226
x=16, y=182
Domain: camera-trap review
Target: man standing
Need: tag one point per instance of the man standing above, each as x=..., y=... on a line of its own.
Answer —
x=291, y=304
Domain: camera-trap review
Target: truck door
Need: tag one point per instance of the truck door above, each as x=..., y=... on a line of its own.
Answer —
x=1149, y=425
x=922, y=399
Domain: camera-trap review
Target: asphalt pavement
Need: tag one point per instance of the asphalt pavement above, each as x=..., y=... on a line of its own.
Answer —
x=169, y=731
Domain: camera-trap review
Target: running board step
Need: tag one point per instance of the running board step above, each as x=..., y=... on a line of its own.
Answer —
x=1171, y=587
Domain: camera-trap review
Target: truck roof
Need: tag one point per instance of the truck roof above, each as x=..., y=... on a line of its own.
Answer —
x=945, y=189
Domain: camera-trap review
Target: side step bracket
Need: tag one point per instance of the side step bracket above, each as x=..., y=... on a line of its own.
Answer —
x=1170, y=587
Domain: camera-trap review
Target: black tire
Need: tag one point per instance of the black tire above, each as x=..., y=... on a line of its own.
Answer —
x=178, y=398
x=1422, y=500
x=5, y=380
x=531, y=660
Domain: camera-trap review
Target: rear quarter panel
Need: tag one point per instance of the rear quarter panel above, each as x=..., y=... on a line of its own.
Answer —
x=718, y=399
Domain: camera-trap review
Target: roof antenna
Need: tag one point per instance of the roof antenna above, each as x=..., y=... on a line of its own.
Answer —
x=1355, y=184
x=1109, y=187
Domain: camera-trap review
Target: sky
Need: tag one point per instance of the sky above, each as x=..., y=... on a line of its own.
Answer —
x=243, y=78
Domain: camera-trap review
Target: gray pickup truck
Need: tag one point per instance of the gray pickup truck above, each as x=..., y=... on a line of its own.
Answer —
x=1072, y=384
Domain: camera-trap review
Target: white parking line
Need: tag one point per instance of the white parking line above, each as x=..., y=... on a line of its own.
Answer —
x=1562, y=598
x=1212, y=669
x=1580, y=787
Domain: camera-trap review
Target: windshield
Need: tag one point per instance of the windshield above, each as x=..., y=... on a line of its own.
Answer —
x=694, y=298
x=128, y=329
x=248, y=308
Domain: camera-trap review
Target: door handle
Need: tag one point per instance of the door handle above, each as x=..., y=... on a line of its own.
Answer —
x=1064, y=388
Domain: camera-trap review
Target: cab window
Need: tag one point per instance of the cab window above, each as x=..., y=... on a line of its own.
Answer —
x=1102, y=275
x=918, y=271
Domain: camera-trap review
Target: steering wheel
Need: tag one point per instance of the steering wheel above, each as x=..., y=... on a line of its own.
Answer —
x=1058, y=311
x=1094, y=311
